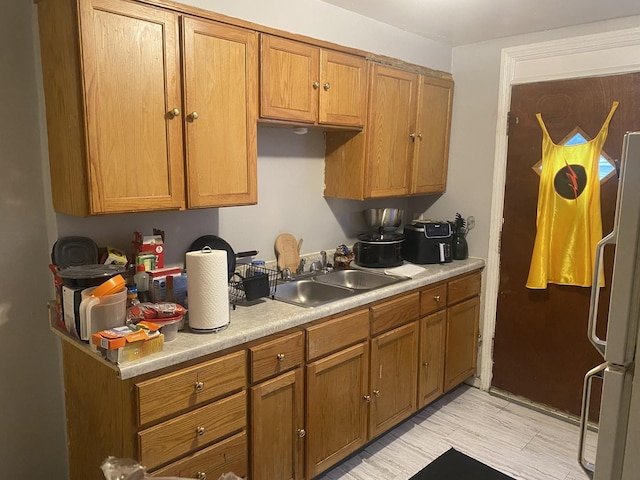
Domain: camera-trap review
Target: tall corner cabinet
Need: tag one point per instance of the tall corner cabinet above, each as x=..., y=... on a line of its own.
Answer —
x=127, y=131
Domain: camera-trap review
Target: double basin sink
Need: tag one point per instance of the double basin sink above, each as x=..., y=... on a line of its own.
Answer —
x=321, y=288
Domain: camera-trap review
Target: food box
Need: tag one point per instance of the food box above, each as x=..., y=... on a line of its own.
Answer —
x=150, y=245
x=129, y=342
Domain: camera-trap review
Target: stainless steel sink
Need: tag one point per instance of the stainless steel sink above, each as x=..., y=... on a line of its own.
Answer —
x=358, y=279
x=328, y=287
x=308, y=293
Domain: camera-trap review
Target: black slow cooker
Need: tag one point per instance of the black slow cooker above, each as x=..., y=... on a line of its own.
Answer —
x=379, y=249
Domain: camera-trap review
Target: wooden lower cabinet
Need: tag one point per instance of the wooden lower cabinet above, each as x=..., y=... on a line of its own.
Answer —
x=431, y=354
x=277, y=428
x=461, y=348
x=337, y=390
x=394, y=361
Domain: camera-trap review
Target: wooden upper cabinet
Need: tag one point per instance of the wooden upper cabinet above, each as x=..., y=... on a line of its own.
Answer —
x=130, y=73
x=124, y=126
x=221, y=113
x=403, y=149
x=431, y=156
x=343, y=89
x=302, y=83
x=392, y=119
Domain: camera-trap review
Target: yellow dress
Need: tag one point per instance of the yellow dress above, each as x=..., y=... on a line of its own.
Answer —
x=568, y=222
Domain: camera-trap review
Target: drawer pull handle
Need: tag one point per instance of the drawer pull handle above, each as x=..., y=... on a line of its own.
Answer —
x=436, y=298
x=376, y=393
x=200, y=431
x=201, y=476
x=199, y=386
x=367, y=398
x=301, y=432
x=280, y=357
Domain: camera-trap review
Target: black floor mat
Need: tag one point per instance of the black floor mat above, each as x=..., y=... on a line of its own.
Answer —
x=454, y=465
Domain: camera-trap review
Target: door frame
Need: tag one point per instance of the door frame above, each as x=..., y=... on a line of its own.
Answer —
x=583, y=56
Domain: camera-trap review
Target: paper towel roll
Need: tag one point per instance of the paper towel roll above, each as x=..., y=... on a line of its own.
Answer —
x=208, y=290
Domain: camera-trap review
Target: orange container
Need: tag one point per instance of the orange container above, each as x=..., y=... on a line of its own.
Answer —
x=109, y=287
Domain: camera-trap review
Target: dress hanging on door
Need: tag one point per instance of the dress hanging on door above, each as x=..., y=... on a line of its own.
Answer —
x=568, y=222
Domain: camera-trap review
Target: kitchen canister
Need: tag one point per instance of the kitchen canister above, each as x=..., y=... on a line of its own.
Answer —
x=207, y=285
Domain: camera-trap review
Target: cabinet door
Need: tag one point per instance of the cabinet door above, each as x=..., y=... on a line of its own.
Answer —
x=431, y=363
x=289, y=80
x=221, y=111
x=343, y=89
x=336, y=407
x=392, y=118
x=461, y=349
x=394, y=361
x=277, y=434
x=432, y=135
x=131, y=74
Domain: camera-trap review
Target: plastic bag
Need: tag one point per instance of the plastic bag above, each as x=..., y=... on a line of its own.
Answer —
x=126, y=469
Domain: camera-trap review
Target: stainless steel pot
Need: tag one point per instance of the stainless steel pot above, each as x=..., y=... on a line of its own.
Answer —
x=388, y=219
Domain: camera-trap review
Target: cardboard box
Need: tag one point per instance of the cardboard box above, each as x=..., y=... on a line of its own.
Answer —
x=129, y=342
x=136, y=350
x=150, y=245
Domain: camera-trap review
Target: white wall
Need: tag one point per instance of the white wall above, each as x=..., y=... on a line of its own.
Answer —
x=31, y=405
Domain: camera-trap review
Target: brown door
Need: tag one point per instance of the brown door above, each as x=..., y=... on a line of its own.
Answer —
x=541, y=349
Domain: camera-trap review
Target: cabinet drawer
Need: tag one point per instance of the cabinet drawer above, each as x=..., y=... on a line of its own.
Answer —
x=229, y=455
x=394, y=313
x=338, y=333
x=464, y=287
x=180, y=435
x=189, y=387
x=276, y=356
x=433, y=299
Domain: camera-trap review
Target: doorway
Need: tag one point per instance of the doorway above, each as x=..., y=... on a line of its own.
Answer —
x=541, y=350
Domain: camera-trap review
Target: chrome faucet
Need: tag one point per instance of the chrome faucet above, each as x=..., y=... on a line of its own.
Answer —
x=315, y=266
x=286, y=274
x=323, y=256
x=301, y=266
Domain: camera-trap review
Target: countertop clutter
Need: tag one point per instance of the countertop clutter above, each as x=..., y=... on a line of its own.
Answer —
x=268, y=316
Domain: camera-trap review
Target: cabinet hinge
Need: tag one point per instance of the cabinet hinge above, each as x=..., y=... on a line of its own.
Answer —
x=508, y=122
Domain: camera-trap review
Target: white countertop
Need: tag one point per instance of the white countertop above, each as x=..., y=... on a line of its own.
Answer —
x=265, y=317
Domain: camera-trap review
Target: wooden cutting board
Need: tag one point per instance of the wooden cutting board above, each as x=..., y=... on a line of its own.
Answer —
x=288, y=252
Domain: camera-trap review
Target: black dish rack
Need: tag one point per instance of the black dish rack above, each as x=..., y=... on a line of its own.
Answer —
x=250, y=283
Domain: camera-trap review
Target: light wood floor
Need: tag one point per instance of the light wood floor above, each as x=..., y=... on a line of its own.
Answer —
x=521, y=442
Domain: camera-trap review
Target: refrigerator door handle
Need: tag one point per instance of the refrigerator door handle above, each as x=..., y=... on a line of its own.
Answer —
x=587, y=466
x=599, y=344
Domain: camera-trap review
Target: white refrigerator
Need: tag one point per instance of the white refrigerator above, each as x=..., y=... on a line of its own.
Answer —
x=618, y=446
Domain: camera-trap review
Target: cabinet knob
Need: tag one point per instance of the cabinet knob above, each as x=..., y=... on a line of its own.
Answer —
x=201, y=476
x=174, y=113
x=326, y=86
x=316, y=85
x=425, y=364
x=280, y=357
x=436, y=298
x=301, y=432
x=192, y=116
x=376, y=393
x=415, y=135
x=200, y=431
x=199, y=386
x=367, y=398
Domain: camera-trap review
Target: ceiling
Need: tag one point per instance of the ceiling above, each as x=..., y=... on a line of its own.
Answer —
x=461, y=22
